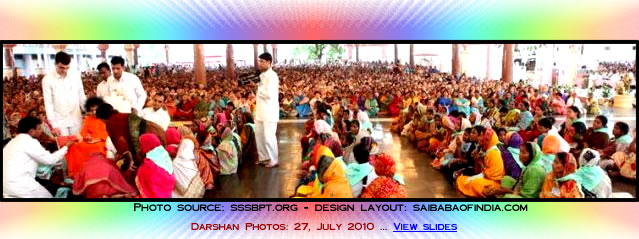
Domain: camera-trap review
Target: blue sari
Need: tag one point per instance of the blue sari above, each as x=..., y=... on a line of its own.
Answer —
x=304, y=109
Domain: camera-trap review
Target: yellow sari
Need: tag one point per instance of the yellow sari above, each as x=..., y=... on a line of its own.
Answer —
x=492, y=173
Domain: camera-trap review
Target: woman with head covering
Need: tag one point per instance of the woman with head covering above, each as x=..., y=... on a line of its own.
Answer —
x=597, y=137
x=387, y=184
x=172, y=141
x=510, y=154
x=594, y=180
x=551, y=146
x=188, y=182
x=227, y=153
x=492, y=168
x=101, y=178
x=532, y=177
x=560, y=183
x=247, y=136
x=330, y=173
x=155, y=177
x=360, y=173
x=574, y=127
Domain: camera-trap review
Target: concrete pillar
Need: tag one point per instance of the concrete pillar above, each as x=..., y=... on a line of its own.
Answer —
x=40, y=62
x=384, y=52
x=255, y=55
x=129, y=55
x=230, y=67
x=8, y=55
x=166, y=52
x=28, y=65
x=103, y=48
x=265, y=48
x=456, y=64
x=357, y=52
x=396, y=54
x=507, y=64
x=274, y=53
x=199, y=69
x=350, y=52
x=487, y=61
x=135, y=54
x=412, y=58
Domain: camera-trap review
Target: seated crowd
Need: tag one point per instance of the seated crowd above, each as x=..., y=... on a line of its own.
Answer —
x=491, y=139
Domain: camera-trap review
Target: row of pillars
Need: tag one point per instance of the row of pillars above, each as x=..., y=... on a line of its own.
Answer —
x=507, y=62
x=200, y=68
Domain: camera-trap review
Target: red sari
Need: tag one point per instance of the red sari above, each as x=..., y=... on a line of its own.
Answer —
x=394, y=106
x=185, y=112
x=101, y=178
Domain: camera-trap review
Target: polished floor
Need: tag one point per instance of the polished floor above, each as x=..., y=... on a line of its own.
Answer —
x=422, y=181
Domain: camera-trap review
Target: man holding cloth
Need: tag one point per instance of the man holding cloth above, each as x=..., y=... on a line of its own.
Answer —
x=267, y=112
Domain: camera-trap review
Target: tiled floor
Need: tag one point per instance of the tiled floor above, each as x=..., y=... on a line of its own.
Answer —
x=422, y=181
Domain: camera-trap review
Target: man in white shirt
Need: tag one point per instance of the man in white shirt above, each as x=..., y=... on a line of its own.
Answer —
x=20, y=160
x=267, y=113
x=157, y=114
x=104, y=74
x=125, y=85
x=63, y=94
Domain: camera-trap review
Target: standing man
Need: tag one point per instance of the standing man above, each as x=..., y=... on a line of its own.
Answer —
x=267, y=112
x=104, y=72
x=126, y=86
x=63, y=97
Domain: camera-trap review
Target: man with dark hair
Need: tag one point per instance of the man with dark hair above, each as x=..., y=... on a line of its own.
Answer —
x=104, y=73
x=156, y=113
x=125, y=91
x=64, y=97
x=267, y=112
x=21, y=158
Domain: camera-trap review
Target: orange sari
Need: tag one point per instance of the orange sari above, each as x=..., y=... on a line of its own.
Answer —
x=79, y=153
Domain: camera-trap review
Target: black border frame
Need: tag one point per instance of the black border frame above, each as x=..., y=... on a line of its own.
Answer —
x=316, y=200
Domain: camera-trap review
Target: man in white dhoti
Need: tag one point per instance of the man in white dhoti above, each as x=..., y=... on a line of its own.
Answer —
x=20, y=160
x=156, y=113
x=267, y=113
x=63, y=97
x=125, y=91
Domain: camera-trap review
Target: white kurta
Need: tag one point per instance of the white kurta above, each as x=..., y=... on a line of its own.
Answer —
x=266, y=116
x=102, y=90
x=63, y=101
x=20, y=160
x=129, y=87
x=160, y=117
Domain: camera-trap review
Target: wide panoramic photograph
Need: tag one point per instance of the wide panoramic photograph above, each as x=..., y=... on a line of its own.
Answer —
x=358, y=120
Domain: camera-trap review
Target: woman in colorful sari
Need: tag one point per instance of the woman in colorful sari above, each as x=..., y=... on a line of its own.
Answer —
x=371, y=105
x=594, y=180
x=533, y=131
x=186, y=108
x=463, y=105
x=325, y=136
x=227, y=153
x=492, y=169
x=101, y=178
x=247, y=135
x=94, y=136
x=206, y=161
x=620, y=141
x=551, y=146
x=331, y=181
x=155, y=178
x=172, y=141
x=510, y=154
x=574, y=126
x=387, y=184
x=188, y=182
x=360, y=173
x=625, y=162
x=395, y=106
x=559, y=182
x=302, y=105
x=532, y=177
x=558, y=104
x=597, y=137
